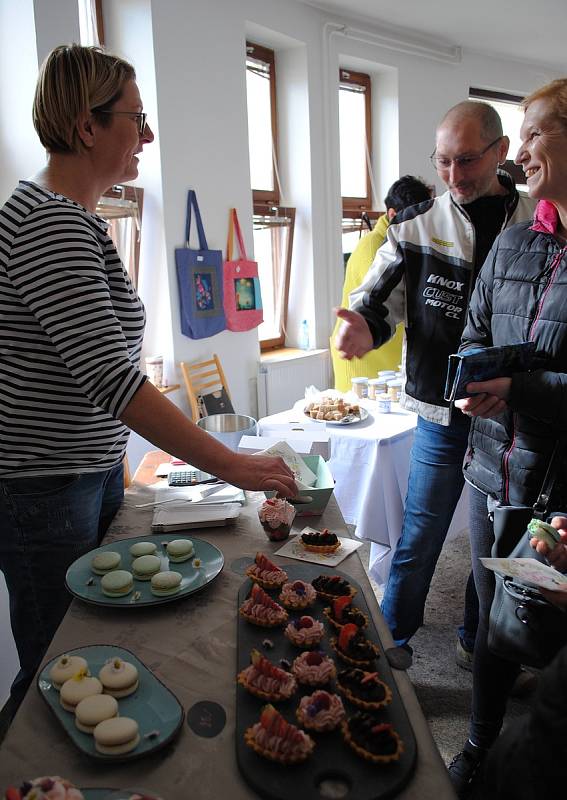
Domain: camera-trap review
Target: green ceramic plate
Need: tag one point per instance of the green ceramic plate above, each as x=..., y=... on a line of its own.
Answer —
x=156, y=710
x=84, y=584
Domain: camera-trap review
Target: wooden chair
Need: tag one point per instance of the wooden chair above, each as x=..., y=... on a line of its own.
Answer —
x=203, y=378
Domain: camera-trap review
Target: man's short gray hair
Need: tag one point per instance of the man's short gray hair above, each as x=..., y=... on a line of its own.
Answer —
x=487, y=116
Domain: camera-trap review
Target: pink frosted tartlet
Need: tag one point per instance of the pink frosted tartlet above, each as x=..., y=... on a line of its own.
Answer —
x=305, y=632
x=313, y=668
x=266, y=573
x=260, y=609
x=266, y=681
x=276, y=517
x=274, y=738
x=320, y=711
x=297, y=594
x=47, y=788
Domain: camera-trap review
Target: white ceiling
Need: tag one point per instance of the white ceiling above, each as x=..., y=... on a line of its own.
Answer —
x=520, y=29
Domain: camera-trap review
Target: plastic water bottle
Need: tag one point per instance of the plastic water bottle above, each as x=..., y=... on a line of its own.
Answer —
x=304, y=335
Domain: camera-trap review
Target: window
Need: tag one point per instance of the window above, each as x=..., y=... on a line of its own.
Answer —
x=90, y=22
x=355, y=131
x=273, y=222
x=510, y=111
x=121, y=207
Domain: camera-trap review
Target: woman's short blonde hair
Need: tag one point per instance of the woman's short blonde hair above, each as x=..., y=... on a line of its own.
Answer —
x=75, y=80
x=556, y=93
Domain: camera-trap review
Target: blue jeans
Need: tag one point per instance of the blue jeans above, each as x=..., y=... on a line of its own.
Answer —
x=434, y=486
x=47, y=523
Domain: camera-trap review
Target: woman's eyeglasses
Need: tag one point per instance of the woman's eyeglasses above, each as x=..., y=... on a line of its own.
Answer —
x=442, y=162
x=140, y=117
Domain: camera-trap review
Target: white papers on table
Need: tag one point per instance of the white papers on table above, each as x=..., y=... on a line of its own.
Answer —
x=294, y=549
x=199, y=494
x=175, y=517
x=528, y=570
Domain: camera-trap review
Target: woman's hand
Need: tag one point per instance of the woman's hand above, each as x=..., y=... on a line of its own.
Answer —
x=261, y=473
x=354, y=337
x=557, y=556
x=558, y=598
x=488, y=400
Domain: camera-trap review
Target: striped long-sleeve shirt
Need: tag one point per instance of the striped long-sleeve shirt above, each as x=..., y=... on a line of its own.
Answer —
x=71, y=329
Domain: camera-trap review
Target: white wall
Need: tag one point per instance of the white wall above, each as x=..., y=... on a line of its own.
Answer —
x=189, y=57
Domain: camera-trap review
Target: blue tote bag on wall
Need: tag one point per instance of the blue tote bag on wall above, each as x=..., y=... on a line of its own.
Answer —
x=200, y=280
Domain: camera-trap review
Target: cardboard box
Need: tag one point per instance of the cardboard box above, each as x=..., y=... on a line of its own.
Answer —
x=319, y=494
x=305, y=445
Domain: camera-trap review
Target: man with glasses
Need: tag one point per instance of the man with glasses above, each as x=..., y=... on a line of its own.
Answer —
x=423, y=275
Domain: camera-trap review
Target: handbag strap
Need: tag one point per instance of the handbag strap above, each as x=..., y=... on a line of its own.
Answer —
x=234, y=226
x=541, y=504
x=192, y=203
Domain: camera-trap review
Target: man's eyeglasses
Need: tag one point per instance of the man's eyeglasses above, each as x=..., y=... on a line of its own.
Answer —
x=140, y=116
x=442, y=162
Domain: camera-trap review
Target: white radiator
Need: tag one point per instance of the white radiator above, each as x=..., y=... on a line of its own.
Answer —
x=282, y=380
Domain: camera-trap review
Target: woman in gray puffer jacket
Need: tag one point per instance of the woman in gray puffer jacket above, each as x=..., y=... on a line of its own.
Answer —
x=520, y=296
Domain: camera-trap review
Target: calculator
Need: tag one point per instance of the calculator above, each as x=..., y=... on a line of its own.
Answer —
x=189, y=477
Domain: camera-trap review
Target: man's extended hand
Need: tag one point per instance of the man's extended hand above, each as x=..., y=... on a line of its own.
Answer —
x=354, y=337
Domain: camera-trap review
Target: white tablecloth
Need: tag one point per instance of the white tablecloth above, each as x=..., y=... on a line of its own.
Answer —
x=370, y=463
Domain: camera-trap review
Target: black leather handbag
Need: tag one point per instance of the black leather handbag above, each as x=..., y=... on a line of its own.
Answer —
x=524, y=627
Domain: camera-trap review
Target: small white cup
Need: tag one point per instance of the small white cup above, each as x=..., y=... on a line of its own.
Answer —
x=154, y=370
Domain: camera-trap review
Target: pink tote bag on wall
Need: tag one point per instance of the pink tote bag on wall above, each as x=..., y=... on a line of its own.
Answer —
x=242, y=296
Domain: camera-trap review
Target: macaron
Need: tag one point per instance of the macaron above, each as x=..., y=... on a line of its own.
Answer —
x=94, y=709
x=166, y=583
x=117, y=583
x=105, y=562
x=64, y=668
x=119, y=678
x=77, y=688
x=180, y=550
x=541, y=530
x=145, y=566
x=116, y=736
x=143, y=549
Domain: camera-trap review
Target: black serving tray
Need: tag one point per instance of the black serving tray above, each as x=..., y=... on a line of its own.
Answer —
x=333, y=770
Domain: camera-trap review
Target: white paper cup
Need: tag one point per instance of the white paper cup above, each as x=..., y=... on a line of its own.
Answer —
x=154, y=370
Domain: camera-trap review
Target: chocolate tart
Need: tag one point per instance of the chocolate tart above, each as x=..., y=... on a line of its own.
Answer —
x=320, y=541
x=353, y=647
x=364, y=689
x=342, y=612
x=330, y=587
x=371, y=739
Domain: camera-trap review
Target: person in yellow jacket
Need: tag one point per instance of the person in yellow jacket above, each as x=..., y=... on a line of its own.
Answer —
x=406, y=191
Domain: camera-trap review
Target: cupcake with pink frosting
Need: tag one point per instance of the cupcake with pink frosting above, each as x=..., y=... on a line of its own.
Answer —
x=305, y=632
x=313, y=668
x=320, y=711
x=276, y=516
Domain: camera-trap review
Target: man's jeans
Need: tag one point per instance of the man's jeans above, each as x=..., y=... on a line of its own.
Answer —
x=47, y=523
x=434, y=487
